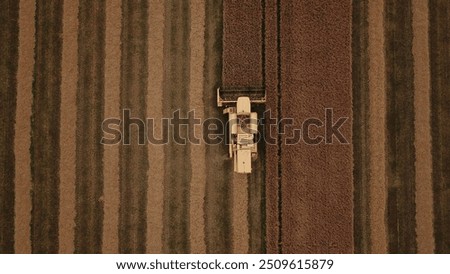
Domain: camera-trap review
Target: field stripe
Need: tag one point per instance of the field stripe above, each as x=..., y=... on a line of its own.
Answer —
x=377, y=129
x=198, y=180
x=154, y=110
x=9, y=43
x=217, y=208
x=133, y=157
x=177, y=166
x=89, y=151
x=440, y=113
x=361, y=111
x=22, y=142
x=424, y=185
x=111, y=110
x=400, y=125
x=45, y=121
x=68, y=127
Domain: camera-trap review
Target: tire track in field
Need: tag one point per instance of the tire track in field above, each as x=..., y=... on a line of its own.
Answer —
x=9, y=44
x=45, y=121
x=69, y=73
x=90, y=104
x=134, y=157
x=23, y=127
x=400, y=127
x=218, y=176
x=177, y=166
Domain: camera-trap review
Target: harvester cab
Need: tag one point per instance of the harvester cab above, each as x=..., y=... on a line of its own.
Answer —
x=242, y=124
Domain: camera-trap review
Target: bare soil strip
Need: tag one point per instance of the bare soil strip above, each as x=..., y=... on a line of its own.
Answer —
x=424, y=184
x=440, y=113
x=9, y=44
x=400, y=125
x=317, y=188
x=198, y=180
x=111, y=109
x=89, y=152
x=154, y=110
x=361, y=156
x=68, y=127
x=271, y=161
x=376, y=121
x=45, y=125
x=218, y=167
x=177, y=165
x=22, y=141
x=134, y=157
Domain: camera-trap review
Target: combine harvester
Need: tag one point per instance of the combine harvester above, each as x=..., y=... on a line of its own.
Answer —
x=242, y=124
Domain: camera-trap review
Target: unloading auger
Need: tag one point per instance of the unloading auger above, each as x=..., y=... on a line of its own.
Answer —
x=242, y=124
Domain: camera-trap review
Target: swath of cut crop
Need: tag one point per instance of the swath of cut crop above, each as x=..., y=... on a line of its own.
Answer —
x=177, y=166
x=218, y=168
x=134, y=157
x=90, y=104
x=400, y=125
x=9, y=44
x=45, y=125
x=440, y=113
